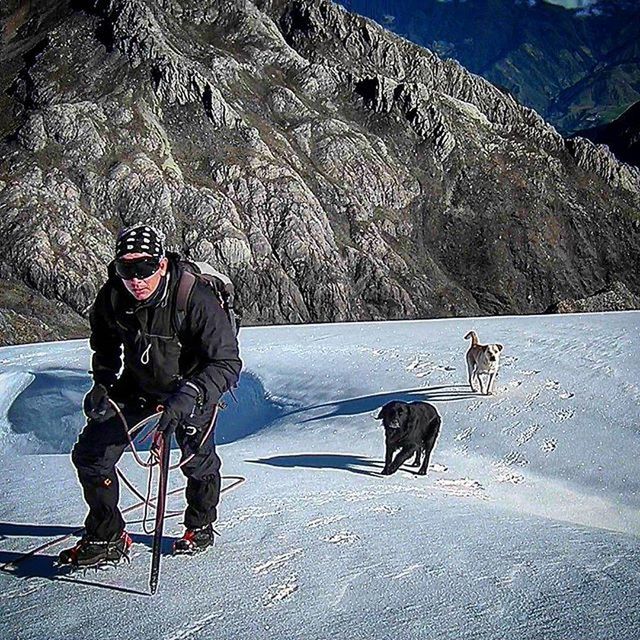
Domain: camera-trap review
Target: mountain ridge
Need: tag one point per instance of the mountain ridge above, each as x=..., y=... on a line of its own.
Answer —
x=335, y=171
x=576, y=67
x=622, y=135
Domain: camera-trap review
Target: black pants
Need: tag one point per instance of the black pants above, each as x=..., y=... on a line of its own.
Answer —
x=101, y=445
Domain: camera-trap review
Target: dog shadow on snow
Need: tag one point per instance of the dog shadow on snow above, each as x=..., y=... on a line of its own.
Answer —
x=342, y=461
x=355, y=463
x=366, y=404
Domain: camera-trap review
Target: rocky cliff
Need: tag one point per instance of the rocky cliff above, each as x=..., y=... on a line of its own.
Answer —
x=334, y=170
x=622, y=136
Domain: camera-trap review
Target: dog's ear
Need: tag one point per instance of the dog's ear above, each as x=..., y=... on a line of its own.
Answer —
x=500, y=347
x=380, y=416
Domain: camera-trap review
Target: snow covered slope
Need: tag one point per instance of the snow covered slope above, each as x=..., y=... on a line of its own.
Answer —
x=527, y=525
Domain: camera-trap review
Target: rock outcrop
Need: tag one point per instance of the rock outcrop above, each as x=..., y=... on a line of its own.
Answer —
x=38, y=319
x=334, y=170
x=621, y=137
x=615, y=298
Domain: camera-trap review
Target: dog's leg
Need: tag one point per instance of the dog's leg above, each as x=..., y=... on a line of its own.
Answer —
x=470, y=369
x=429, y=444
x=416, y=462
x=403, y=455
x=481, y=386
x=491, y=385
x=388, y=455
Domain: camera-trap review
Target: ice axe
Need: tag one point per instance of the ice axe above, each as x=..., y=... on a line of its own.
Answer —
x=162, y=444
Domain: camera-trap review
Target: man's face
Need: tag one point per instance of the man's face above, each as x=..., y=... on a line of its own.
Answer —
x=143, y=288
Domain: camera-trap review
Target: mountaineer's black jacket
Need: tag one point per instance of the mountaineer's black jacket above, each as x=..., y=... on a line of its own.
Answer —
x=159, y=356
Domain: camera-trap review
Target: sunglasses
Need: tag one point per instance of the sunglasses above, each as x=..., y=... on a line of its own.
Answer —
x=139, y=269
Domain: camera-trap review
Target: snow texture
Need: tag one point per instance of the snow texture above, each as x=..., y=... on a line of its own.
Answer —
x=526, y=525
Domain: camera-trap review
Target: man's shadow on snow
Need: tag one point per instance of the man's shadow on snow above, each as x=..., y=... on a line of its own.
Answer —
x=367, y=404
x=341, y=461
x=43, y=565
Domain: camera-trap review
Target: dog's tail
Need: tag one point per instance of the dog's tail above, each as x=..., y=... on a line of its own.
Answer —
x=474, y=338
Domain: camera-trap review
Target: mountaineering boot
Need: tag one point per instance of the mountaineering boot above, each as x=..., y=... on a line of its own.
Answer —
x=89, y=552
x=194, y=540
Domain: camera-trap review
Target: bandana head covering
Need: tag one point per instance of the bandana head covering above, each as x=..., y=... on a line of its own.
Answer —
x=140, y=238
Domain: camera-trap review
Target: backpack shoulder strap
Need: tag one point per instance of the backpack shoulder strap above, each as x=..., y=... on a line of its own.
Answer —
x=185, y=286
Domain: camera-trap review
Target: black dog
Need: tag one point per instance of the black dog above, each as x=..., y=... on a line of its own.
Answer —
x=412, y=428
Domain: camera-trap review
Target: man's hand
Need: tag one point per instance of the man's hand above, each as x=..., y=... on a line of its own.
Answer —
x=179, y=407
x=156, y=445
x=96, y=404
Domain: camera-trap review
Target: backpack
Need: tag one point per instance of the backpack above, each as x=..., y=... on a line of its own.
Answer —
x=221, y=286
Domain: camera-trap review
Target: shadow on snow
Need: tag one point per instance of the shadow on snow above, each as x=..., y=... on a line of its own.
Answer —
x=339, y=461
x=346, y=462
x=43, y=565
x=367, y=404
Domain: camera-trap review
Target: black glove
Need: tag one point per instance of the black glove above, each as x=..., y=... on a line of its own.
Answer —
x=179, y=407
x=96, y=404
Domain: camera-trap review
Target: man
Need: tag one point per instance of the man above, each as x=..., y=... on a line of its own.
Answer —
x=141, y=360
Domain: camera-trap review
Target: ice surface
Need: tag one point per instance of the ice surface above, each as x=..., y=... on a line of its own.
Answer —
x=526, y=526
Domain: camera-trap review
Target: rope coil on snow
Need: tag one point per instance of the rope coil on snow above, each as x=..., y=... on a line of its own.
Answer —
x=152, y=461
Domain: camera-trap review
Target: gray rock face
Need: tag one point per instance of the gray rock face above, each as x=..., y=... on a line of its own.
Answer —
x=575, y=66
x=38, y=319
x=617, y=298
x=599, y=159
x=333, y=170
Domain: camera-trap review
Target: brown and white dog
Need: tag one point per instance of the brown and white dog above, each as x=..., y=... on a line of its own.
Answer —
x=482, y=359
